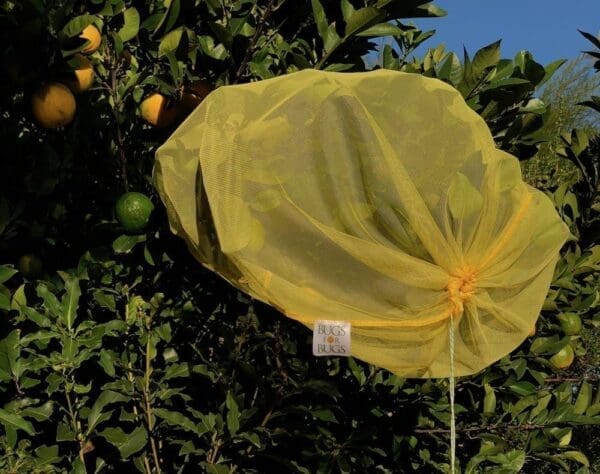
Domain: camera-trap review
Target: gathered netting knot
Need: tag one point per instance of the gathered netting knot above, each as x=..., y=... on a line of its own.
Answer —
x=460, y=288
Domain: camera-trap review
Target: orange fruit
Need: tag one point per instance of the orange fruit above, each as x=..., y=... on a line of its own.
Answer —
x=53, y=105
x=570, y=323
x=83, y=76
x=563, y=358
x=91, y=34
x=155, y=110
x=194, y=94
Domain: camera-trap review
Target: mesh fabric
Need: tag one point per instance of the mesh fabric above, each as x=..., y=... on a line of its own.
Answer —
x=377, y=198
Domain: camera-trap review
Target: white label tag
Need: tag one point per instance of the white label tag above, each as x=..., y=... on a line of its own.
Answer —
x=331, y=338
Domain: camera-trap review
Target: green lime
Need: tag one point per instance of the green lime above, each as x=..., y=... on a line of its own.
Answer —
x=133, y=211
x=30, y=266
x=570, y=323
x=563, y=358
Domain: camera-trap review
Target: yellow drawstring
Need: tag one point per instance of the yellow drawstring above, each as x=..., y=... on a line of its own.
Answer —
x=452, y=420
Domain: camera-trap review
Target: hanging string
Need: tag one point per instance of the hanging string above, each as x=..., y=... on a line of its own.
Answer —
x=452, y=420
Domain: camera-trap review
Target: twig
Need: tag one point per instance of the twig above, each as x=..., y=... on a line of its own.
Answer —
x=494, y=427
x=76, y=426
x=253, y=41
x=214, y=450
x=115, y=109
x=572, y=379
x=147, y=402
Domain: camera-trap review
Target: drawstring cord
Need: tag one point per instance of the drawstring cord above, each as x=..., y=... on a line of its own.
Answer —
x=452, y=417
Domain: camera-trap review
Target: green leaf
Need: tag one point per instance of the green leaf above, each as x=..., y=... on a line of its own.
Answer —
x=10, y=351
x=170, y=42
x=489, y=401
x=78, y=467
x=126, y=443
x=106, y=362
x=125, y=243
x=523, y=389
x=64, y=433
x=551, y=69
x=39, y=413
x=576, y=456
x=347, y=10
x=4, y=298
x=6, y=273
x=176, y=371
x=217, y=469
x=506, y=82
x=451, y=69
x=47, y=455
x=482, y=62
x=381, y=29
x=233, y=414
x=593, y=39
x=170, y=16
x=208, y=47
x=222, y=34
x=19, y=299
x=324, y=415
x=107, y=397
x=76, y=25
x=131, y=24
x=510, y=462
x=584, y=398
x=70, y=301
x=320, y=19
x=361, y=19
x=486, y=57
x=51, y=303
x=178, y=420
x=338, y=67
x=105, y=300
x=14, y=421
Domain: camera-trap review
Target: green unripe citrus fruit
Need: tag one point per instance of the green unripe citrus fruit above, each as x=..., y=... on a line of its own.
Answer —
x=570, y=323
x=30, y=266
x=563, y=358
x=133, y=211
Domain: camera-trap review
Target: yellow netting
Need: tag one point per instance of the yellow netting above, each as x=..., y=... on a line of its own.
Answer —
x=378, y=198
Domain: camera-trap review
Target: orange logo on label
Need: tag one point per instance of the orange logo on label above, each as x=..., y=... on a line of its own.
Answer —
x=330, y=339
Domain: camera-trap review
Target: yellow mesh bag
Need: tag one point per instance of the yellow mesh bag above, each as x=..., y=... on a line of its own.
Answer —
x=377, y=198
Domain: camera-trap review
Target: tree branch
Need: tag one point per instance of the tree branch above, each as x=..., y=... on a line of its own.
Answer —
x=253, y=41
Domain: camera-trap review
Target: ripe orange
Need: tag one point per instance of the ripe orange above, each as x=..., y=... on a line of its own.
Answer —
x=563, y=358
x=91, y=34
x=156, y=111
x=53, y=105
x=194, y=94
x=83, y=76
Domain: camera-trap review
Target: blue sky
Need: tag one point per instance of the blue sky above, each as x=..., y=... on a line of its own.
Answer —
x=547, y=28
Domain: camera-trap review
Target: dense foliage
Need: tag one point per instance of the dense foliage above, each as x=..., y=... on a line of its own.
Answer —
x=119, y=353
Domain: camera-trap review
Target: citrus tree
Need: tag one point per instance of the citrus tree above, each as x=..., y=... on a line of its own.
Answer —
x=119, y=353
